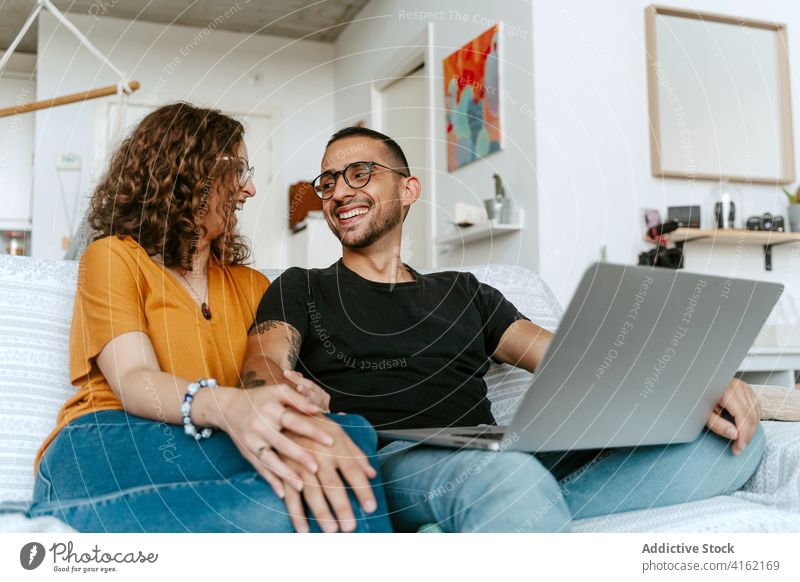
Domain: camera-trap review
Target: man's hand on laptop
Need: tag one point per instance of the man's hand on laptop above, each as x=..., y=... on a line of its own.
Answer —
x=740, y=402
x=325, y=489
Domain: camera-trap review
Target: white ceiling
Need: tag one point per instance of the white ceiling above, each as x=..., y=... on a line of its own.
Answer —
x=323, y=20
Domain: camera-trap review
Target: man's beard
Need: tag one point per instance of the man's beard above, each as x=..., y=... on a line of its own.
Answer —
x=383, y=221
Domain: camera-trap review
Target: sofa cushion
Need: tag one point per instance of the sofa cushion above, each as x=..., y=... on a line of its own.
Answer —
x=19, y=522
x=35, y=314
x=776, y=482
x=722, y=514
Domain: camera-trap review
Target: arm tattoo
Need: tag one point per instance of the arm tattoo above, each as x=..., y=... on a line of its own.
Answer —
x=263, y=326
x=294, y=346
x=292, y=335
x=249, y=380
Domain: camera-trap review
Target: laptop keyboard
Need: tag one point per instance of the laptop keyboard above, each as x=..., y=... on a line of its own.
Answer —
x=489, y=434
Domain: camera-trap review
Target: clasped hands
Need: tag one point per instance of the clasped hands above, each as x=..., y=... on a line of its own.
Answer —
x=283, y=432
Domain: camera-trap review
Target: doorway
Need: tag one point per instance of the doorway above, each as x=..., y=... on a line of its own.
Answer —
x=403, y=115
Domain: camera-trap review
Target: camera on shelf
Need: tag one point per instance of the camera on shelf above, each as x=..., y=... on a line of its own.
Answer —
x=766, y=222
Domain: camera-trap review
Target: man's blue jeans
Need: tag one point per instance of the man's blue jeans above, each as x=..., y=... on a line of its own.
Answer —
x=480, y=491
x=114, y=472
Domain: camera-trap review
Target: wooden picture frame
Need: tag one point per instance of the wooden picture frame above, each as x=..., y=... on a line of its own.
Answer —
x=719, y=97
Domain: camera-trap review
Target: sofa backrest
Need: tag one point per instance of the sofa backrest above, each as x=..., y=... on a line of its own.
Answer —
x=35, y=314
x=36, y=297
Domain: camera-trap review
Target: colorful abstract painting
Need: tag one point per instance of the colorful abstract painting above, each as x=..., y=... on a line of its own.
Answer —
x=472, y=100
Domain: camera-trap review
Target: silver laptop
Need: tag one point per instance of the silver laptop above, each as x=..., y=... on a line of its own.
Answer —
x=641, y=357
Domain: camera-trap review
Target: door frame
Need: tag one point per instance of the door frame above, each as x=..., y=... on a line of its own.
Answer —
x=419, y=49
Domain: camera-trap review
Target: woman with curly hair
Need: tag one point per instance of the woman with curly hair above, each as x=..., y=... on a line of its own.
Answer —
x=163, y=435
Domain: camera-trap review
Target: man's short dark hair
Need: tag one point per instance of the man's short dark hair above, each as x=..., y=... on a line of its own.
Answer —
x=398, y=158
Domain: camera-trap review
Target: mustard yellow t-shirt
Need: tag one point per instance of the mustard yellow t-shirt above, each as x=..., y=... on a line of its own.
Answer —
x=121, y=289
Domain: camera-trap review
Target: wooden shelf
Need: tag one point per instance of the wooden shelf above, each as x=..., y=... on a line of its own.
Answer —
x=735, y=236
x=477, y=232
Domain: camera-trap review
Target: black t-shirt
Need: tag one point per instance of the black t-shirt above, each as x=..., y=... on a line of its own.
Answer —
x=404, y=355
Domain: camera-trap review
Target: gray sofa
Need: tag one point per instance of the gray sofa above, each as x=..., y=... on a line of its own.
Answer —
x=35, y=315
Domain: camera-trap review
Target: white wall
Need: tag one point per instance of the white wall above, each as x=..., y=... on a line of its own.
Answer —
x=17, y=87
x=593, y=147
x=578, y=159
x=16, y=154
x=373, y=44
x=205, y=66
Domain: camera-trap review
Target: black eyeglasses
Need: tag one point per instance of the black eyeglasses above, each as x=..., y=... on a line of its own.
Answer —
x=247, y=171
x=356, y=175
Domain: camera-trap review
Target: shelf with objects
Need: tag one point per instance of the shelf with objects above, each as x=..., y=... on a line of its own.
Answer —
x=500, y=216
x=476, y=232
x=775, y=355
x=734, y=236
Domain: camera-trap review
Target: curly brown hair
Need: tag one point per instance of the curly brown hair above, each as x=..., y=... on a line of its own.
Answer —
x=159, y=181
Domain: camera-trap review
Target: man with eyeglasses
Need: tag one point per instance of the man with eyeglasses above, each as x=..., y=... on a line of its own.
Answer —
x=407, y=350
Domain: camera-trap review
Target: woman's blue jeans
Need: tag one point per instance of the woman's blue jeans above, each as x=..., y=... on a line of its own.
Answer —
x=113, y=472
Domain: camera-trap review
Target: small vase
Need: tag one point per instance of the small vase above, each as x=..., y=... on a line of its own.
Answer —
x=794, y=217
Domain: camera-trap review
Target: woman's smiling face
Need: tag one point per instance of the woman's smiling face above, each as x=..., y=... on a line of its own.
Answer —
x=222, y=207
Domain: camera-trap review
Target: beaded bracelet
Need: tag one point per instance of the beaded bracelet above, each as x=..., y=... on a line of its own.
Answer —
x=186, y=409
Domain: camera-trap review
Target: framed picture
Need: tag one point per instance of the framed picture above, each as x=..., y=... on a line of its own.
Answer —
x=720, y=104
x=651, y=217
x=472, y=100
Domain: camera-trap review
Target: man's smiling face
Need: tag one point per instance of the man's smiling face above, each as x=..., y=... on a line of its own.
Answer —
x=361, y=216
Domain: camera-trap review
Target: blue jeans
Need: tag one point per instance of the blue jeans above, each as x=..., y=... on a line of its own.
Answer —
x=114, y=472
x=480, y=491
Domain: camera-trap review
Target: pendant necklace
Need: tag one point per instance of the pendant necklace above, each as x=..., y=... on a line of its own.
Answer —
x=203, y=304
